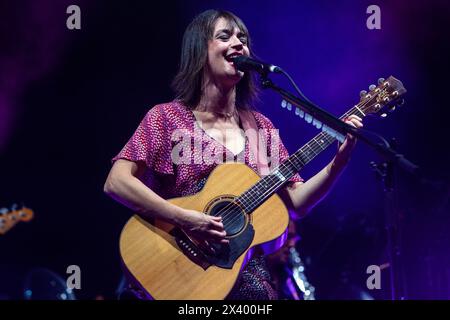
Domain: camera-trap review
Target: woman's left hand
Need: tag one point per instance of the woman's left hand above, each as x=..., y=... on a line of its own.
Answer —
x=347, y=147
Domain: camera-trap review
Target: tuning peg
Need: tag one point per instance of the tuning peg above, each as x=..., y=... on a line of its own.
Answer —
x=383, y=115
x=283, y=104
x=392, y=109
x=363, y=93
x=289, y=106
x=381, y=80
x=372, y=87
x=401, y=102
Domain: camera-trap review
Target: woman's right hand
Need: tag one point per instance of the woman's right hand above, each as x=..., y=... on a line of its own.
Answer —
x=203, y=228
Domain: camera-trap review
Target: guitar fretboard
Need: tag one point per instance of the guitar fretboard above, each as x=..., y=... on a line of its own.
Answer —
x=267, y=186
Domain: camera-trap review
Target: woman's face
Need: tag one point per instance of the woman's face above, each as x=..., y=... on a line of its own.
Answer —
x=227, y=42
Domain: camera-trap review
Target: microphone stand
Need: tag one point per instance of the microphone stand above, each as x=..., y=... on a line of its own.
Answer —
x=384, y=169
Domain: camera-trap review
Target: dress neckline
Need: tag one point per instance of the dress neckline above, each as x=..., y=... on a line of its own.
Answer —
x=196, y=124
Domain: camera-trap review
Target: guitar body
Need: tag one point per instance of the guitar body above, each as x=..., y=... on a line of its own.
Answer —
x=157, y=261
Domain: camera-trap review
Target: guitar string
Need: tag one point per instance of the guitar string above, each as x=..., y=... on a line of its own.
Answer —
x=225, y=212
x=316, y=150
x=277, y=184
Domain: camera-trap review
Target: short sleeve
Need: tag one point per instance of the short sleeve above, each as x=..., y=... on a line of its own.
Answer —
x=273, y=137
x=150, y=143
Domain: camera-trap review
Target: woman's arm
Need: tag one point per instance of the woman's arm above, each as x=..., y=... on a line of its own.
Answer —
x=124, y=186
x=302, y=197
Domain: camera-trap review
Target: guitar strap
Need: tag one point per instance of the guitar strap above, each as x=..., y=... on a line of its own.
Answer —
x=257, y=143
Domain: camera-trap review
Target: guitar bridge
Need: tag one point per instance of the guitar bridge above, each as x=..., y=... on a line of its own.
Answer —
x=190, y=249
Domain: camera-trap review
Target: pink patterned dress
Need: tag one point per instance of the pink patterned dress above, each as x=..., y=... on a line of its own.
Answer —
x=153, y=142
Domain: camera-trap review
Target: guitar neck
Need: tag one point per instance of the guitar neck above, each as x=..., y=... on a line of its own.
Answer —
x=267, y=186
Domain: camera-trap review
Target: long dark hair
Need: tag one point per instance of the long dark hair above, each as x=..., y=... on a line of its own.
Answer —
x=194, y=53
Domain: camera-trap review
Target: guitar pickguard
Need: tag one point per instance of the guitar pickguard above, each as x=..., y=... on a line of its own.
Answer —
x=225, y=254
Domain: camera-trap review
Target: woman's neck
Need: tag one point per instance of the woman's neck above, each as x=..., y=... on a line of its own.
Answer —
x=218, y=100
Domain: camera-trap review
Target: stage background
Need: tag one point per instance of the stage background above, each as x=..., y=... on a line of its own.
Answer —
x=70, y=99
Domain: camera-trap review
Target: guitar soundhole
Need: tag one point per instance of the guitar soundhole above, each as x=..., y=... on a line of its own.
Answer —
x=233, y=217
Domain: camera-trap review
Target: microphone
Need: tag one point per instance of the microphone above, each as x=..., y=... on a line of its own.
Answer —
x=244, y=63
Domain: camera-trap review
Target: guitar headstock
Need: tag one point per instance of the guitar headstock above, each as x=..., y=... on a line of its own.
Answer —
x=382, y=98
x=9, y=218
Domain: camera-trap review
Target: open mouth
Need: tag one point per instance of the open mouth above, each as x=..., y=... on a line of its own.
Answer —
x=231, y=56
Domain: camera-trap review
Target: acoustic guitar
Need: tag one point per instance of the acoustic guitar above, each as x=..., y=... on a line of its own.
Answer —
x=163, y=261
